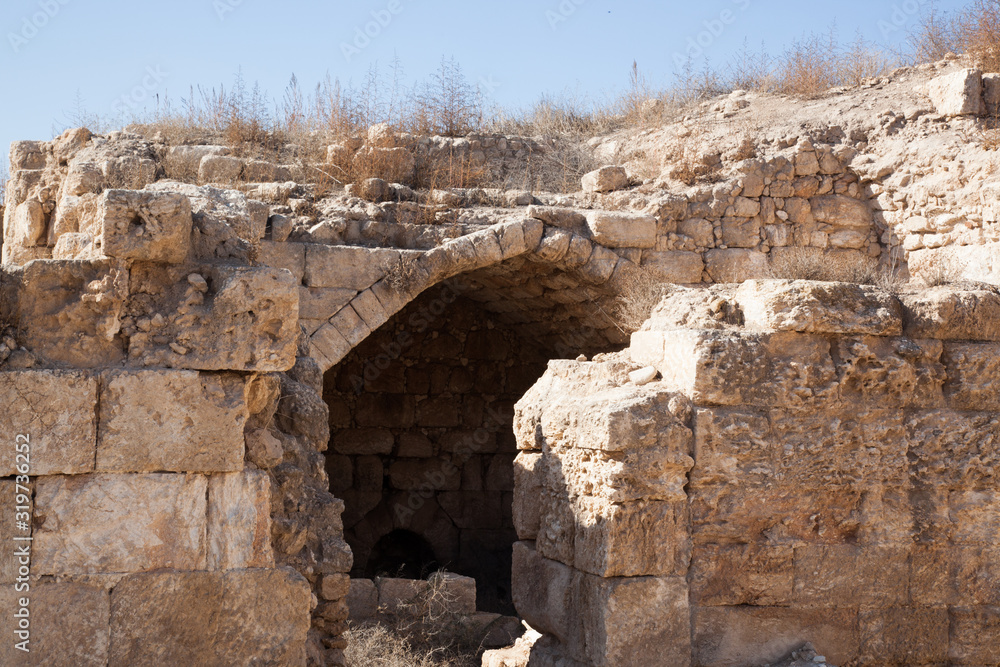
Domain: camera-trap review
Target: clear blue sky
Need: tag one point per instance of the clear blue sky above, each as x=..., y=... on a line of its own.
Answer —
x=114, y=54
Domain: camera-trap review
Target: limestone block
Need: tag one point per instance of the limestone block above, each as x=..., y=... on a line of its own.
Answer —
x=904, y=635
x=239, y=617
x=991, y=94
x=736, y=265
x=818, y=307
x=27, y=155
x=698, y=230
x=219, y=169
x=605, y=179
x=511, y=238
x=733, y=368
x=174, y=421
x=726, y=636
x=973, y=375
x=891, y=371
x=628, y=540
x=842, y=211
x=226, y=225
x=217, y=318
x=673, y=266
x=69, y=625
x=363, y=441
x=119, y=523
x=362, y=599
x=847, y=575
x=565, y=218
x=598, y=269
x=239, y=521
x=958, y=94
x=543, y=593
x=396, y=595
x=12, y=560
x=458, y=593
x=71, y=311
x=335, y=586
x=328, y=346
x=528, y=484
x=145, y=225
x=741, y=232
x=975, y=635
x=622, y=230
x=27, y=228
x=57, y=412
x=742, y=574
x=347, y=267
x=260, y=171
x=320, y=303
x=948, y=313
x=953, y=449
x=188, y=158
x=291, y=256
x=423, y=474
x=633, y=622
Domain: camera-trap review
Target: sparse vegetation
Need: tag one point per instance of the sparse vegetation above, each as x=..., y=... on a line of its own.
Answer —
x=639, y=295
x=814, y=264
x=420, y=632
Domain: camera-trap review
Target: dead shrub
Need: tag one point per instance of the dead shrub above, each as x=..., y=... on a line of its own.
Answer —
x=812, y=264
x=639, y=294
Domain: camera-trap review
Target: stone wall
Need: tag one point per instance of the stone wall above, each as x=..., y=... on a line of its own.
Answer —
x=420, y=416
x=812, y=465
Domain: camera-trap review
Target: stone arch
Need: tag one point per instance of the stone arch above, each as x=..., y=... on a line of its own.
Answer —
x=526, y=293
x=387, y=280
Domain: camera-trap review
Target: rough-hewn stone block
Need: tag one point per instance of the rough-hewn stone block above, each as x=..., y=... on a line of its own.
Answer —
x=57, y=412
x=149, y=226
x=240, y=617
x=347, y=267
x=239, y=521
x=226, y=318
x=174, y=421
x=674, y=266
x=68, y=625
x=622, y=230
x=119, y=523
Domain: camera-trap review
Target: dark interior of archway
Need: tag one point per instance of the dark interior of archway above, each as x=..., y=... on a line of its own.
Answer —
x=422, y=444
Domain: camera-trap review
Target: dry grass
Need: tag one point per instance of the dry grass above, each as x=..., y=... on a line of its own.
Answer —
x=421, y=632
x=804, y=264
x=638, y=296
x=973, y=30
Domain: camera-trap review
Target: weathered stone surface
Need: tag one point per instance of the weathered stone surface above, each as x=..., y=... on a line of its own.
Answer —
x=362, y=599
x=174, y=421
x=841, y=210
x=347, y=267
x=952, y=314
x=736, y=265
x=622, y=230
x=220, y=318
x=239, y=521
x=146, y=226
x=240, y=617
x=71, y=312
x=749, y=636
x=119, y=523
x=56, y=412
x=813, y=307
x=674, y=266
x=973, y=375
x=958, y=94
x=742, y=574
x=605, y=179
x=219, y=169
x=68, y=625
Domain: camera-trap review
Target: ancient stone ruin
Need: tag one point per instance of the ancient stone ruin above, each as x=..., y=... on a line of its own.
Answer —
x=243, y=410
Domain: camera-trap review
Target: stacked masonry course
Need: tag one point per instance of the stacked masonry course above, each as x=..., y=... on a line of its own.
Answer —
x=168, y=314
x=816, y=463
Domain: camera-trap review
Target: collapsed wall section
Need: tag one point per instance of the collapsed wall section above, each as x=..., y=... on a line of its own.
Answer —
x=827, y=448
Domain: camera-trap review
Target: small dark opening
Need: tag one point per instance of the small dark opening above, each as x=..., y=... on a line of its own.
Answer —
x=402, y=554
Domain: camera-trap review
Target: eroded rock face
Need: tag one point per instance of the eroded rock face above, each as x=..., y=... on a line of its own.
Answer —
x=811, y=473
